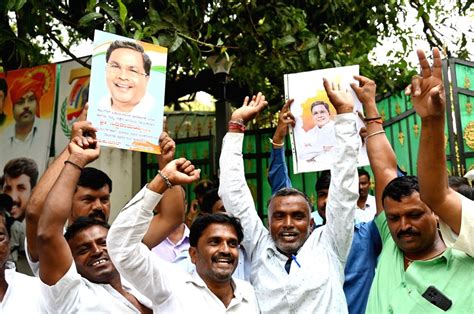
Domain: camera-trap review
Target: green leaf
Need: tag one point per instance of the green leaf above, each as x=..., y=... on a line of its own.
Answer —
x=313, y=57
x=177, y=42
x=138, y=35
x=286, y=40
x=19, y=4
x=110, y=12
x=322, y=51
x=110, y=27
x=86, y=19
x=122, y=11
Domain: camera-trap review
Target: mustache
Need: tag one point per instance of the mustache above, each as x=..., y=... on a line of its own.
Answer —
x=98, y=214
x=408, y=231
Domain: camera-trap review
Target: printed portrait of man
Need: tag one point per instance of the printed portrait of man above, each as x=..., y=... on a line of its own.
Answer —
x=127, y=73
x=321, y=138
x=29, y=135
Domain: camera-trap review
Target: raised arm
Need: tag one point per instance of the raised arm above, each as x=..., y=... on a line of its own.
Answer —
x=172, y=204
x=133, y=260
x=427, y=96
x=38, y=197
x=53, y=250
x=278, y=171
x=344, y=186
x=381, y=156
x=233, y=189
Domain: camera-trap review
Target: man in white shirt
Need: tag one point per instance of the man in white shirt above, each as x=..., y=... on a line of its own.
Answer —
x=29, y=135
x=293, y=271
x=76, y=272
x=15, y=286
x=214, y=241
x=366, y=207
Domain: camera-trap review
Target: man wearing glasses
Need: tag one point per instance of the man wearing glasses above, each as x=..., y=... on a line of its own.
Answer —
x=127, y=74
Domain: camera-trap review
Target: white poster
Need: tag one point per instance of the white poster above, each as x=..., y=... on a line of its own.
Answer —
x=313, y=138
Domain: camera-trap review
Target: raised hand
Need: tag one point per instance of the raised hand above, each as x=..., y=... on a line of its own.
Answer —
x=427, y=90
x=366, y=89
x=168, y=148
x=83, y=115
x=285, y=119
x=249, y=110
x=181, y=171
x=84, y=149
x=342, y=100
x=83, y=128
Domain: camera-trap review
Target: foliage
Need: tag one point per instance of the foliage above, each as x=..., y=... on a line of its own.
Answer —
x=266, y=38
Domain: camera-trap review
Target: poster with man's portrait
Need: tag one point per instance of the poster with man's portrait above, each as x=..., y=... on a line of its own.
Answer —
x=126, y=94
x=313, y=137
x=26, y=109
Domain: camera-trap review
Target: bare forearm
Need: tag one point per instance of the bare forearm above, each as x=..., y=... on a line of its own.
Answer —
x=433, y=178
x=170, y=217
x=381, y=156
x=37, y=200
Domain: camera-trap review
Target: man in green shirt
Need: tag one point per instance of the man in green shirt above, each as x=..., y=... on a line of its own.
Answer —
x=416, y=273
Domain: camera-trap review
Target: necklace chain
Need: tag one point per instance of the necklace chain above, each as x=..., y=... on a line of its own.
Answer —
x=409, y=260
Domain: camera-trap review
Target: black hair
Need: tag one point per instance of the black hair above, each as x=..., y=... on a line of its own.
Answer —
x=323, y=181
x=202, y=222
x=130, y=45
x=82, y=223
x=400, y=187
x=18, y=166
x=208, y=200
x=319, y=103
x=94, y=178
x=3, y=86
x=461, y=185
x=202, y=187
x=363, y=172
x=290, y=192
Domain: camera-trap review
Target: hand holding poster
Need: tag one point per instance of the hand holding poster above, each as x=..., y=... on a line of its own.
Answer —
x=126, y=93
x=313, y=138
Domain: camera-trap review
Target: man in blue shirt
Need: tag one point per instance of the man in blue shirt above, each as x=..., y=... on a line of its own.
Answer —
x=366, y=243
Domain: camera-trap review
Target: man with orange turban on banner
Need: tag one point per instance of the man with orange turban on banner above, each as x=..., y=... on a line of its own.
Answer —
x=29, y=135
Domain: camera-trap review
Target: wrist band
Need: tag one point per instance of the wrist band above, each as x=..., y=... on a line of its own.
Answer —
x=237, y=125
x=372, y=119
x=375, y=133
x=276, y=144
x=74, y=164
x=165, y=179
x=379, y=121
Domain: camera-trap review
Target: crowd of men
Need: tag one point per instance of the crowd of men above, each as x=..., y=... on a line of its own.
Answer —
x=408, y=249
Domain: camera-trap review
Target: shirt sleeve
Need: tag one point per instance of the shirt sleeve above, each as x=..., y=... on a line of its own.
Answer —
x=464, y=241
x=131, y=257
x=64, y=295
x=344, y=187
x=278, y=172
x=235, y=193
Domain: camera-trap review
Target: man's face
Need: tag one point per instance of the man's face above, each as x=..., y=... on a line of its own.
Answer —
x=19, y=189
x=24, y=110
x=89, y=250
x=364, y=185
x=412, y=223
x=320, y=115
x=289, y=219
x=92, y=203
x=4, y=242
x=321, y=202
x=218, y=207
x=126, y=77
x=217, y=253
